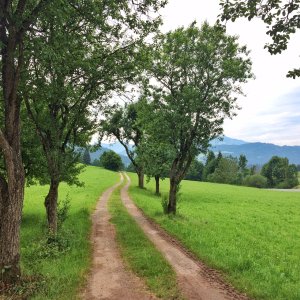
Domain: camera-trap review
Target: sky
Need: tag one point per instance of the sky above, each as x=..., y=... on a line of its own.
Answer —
x=270, y=111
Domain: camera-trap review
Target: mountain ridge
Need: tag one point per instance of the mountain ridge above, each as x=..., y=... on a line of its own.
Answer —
x=257, y=153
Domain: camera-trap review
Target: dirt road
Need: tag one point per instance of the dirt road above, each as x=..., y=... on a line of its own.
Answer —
x=108, y=278
x=195, y=279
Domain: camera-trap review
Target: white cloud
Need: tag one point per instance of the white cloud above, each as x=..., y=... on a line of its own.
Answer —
x=257, y=120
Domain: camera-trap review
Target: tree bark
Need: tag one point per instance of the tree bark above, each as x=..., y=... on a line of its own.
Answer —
x=141, y=178
x=11, y=198
x=51, y=206
x=157, y=192
x=12, y=31
x=172, y=196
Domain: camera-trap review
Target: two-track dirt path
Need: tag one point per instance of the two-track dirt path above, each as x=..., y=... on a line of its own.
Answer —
x=196, y=280
x=108, y=278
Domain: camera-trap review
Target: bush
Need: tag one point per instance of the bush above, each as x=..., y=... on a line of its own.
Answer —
x=63, y=211
x=288, y=184
x=225, y=172
x=256, y=180
x=111, y=161
x=164, y=203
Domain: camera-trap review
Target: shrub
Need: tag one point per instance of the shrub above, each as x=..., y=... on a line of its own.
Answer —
x=63, y=211
x=256, y=180
x=288, y=183
x=164, y=203
x=111, y=161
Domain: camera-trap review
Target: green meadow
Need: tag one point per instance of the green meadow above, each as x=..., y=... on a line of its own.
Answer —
x=251, y=236
x=60, y=268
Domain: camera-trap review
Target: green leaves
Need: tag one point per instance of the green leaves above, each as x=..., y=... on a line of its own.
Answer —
x=282, y=18
x=78, y=54
x=194, y=78
x=197, y=71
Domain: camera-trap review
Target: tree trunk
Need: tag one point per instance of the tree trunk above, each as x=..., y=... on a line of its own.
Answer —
x=141, y=179
x=157, y=185
x=11, y=198
x=12, y=188
x=172, y=196
x=51, y=206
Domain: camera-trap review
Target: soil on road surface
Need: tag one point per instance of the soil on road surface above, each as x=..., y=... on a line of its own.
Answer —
x=109, y=278
x=196, y=280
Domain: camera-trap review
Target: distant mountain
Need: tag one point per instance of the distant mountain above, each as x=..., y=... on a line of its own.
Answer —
x=117, y=147
x=227, y=141
x=260, y=153
x=108, y=147
x=256, y=153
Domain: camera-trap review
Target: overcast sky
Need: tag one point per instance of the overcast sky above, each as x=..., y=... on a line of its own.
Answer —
x=271, y=109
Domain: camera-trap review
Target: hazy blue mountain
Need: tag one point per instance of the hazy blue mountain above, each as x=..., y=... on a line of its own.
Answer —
x=257, y=153
x=260, y=153
x=227, y=141
x=117, y=147
x=99, y=152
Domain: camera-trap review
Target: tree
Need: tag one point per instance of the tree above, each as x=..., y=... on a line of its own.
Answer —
x=225, y=172
x=123, y=124
x=96, y=162
x=57, y=92
x=280, y=173
x=16, y=19
x=86, y=158
x=195, y=171
x=253, y=170
x=243, y=171
x=83, y=58
x=197, y=74
x=210, y=164
x=112, y=161
x=281, y=18
x=157, y=157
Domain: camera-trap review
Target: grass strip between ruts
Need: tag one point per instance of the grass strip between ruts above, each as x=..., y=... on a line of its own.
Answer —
x=140, y=254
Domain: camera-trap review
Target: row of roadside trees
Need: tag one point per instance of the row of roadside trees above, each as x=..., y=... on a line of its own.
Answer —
x=188, y=87
x=61, y=61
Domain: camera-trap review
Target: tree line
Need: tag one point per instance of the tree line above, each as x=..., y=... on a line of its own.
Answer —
x=276, y=173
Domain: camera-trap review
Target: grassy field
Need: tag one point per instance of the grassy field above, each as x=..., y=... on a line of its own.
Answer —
x=140, y=254
x=252, y=236
x=62, y=266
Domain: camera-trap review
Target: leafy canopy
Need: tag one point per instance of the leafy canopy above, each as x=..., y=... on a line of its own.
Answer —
x=195, y=78
x=111, y=160
x=281, y=17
